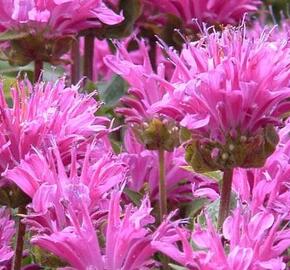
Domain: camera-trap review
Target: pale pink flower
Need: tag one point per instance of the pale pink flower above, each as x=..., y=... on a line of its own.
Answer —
x=7, y=232
x=53, y=18
x=42, y=113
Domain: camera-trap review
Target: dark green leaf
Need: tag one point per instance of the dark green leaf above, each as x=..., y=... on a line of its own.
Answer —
x=134, y=196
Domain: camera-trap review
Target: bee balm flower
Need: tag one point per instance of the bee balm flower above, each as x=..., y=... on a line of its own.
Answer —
x=231, y=92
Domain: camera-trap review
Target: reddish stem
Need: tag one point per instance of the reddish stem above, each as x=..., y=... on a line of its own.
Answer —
x=89, y=56
x=225, y=197
x=17, y=260
x=75, y=66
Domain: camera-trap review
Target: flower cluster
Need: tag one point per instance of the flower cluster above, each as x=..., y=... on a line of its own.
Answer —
x=166, y=148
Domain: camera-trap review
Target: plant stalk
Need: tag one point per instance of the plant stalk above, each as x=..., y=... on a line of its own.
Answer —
x=89, y=56
x=17, y=259
x=162, y=186
x=225, y=197
x=76, y=60
x=162, y=199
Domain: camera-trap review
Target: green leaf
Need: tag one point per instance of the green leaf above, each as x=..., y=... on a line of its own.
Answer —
x=11, y=35
x=214, y=175
x=213, y=209
x=110, y=92
x=116, y=145
x=195, y=206
x=134, y=196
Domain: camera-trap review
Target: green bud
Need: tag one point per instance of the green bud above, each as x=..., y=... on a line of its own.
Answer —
x=157, y=135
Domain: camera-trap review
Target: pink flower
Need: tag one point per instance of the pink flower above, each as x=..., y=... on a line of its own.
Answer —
x=42, y=113
x=224, y=86
x=254, y=242
x=230, y=91
x=213, y=12
x=54, y=18
x=274, y=32
x=102, y=70
x=95, y=174
x=145, y=90
x=7, y=232
x=127, y=238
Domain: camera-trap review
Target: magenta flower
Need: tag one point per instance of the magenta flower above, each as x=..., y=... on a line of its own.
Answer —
x=55, y=18
x=7, y=232
x=99, y=173
x=145, y=90
x=102, y=70
x=43, y=31
x=254, y=242
x=43, y=113
x=230, y=92
x=214, y=12
x=127, y=238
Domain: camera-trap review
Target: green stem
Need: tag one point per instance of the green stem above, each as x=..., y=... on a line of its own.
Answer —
x=162, y=199
x=38, y=67
x=89, y=56
x=75, y=66
x=17, y=260
x=162, y=186
x=225, y=197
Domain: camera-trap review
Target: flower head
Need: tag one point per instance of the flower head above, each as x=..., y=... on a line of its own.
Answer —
x=55, y=17
x=229, y=91
x=44, y=30
x=93, y=176
x=43, y=113
x=251, y=241
x=145, y=90
x=127, y=238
